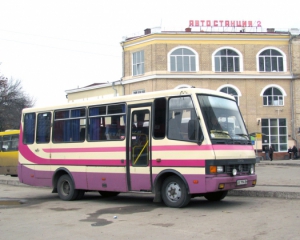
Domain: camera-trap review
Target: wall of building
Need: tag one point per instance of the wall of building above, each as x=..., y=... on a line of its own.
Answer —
x=249, y=81
x=96, y=92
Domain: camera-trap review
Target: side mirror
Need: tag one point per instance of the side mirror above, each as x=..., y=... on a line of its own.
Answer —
x=194, y=131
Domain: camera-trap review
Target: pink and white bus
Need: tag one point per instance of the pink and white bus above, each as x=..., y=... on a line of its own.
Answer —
x=177, y=144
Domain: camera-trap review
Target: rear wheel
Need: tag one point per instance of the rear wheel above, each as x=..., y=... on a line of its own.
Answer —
x=66, y=188
x=108, y=194
x=174, y=192
x=216, y=196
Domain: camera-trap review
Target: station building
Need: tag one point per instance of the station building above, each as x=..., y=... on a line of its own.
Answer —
x=260, y=68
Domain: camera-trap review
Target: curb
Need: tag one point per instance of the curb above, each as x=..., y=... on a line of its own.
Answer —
x=280, y=164
x=13, y=183
x=265, y=194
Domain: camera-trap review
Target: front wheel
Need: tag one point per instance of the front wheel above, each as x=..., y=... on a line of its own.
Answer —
x=216, y=196
x=174, y=192
x=66, y=188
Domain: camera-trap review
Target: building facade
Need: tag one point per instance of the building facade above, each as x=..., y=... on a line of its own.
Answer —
x=260, y=69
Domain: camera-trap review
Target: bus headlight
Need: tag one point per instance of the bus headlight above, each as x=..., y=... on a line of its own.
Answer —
x=252, y=169
x=234, y=172
x=220, y=169
x=216, y=169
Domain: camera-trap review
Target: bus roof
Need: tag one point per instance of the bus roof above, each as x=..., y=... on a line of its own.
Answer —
x=133, y=98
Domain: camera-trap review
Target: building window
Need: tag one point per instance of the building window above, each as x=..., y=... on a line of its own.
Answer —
x=232, y=92
x=182, y=60
x=227, y=60
x=138, y=91
x=270, y=60
x=138, y=63
x=273, y=97
x=275, y=133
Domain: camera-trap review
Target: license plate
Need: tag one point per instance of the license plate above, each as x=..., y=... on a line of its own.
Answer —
x=241, y=182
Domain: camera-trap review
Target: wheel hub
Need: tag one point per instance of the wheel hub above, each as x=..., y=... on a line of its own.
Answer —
x=174, y=192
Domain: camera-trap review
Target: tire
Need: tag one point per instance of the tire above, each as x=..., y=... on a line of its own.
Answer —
x=174, y=192
x=108, y=194
x=216, y=196
x=66, y=188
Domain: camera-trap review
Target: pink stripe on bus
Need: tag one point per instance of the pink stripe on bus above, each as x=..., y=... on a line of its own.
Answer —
x=232, y=147
x=179, y=163
x=74, y=150
x=154, y=148
x=201, y=147
x=182, y=147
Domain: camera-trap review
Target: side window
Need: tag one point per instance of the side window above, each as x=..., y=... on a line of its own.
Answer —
x=1, y=143
x=6, y=143
x=14, y=142
x=43, y=127
x=138, y=63
x=273, y=97
x=226, y=60
x=182, y=60
x=159, y=127
x=182, y=120
x=29, y=128
x=271, y=60
x=106, y=122
x=232, y=92
x=140, y=138
x=68, y=125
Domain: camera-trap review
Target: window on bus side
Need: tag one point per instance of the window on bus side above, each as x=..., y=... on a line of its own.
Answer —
x=68, y=125
x=10, y=143
x=43, y=127
x=106, y=123
x=183, y=123
x=29, y=128
x=159, y=126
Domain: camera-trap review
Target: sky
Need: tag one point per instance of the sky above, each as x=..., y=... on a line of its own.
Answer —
x=58, y=45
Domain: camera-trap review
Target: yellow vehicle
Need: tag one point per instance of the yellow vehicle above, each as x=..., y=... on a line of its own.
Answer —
x=9, y=141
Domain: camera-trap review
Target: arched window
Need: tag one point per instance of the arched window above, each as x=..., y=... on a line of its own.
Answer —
x=182, y=60
x=273, y=97
x=232, y=92
x=271, y=60
x=227, y=60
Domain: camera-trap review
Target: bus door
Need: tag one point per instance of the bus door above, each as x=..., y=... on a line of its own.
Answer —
x=138, y=154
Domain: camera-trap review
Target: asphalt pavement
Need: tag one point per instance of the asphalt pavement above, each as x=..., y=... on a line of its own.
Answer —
x=276, y=179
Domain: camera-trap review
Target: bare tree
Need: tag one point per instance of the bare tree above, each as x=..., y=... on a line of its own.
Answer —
x=12, y=100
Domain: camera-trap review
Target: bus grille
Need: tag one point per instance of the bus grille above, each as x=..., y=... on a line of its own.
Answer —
x=241, y=168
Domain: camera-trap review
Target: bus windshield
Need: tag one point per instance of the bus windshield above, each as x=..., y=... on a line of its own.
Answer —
x=222, y=118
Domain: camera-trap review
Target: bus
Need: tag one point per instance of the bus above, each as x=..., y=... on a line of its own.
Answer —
x=161, y=142
x=9, y=141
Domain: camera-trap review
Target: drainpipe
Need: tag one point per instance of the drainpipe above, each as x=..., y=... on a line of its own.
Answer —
x=123, y=88
x=113, y=87
x=292, y=90
x=123, y=68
